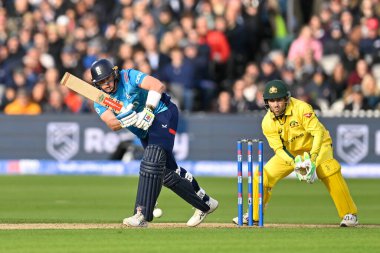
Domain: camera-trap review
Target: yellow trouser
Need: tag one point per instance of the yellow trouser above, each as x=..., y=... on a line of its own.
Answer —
x=328, y=170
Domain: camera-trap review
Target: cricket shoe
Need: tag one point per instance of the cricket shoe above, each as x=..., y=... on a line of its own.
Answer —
x=245, y=220
x=199, y=215
x=349, y=220
x=136, y=220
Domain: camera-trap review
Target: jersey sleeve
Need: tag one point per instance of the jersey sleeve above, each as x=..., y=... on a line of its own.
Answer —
x=275, y=142
x=99, y=109
x=135, y=77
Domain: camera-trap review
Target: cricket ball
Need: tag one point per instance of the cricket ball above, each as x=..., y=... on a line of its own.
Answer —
x=157, y=212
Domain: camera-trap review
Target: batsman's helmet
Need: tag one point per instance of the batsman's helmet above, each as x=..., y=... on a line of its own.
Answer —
x=102, y=69
x=275, y=89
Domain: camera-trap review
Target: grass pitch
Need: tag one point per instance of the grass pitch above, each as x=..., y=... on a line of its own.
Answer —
x=107, y=200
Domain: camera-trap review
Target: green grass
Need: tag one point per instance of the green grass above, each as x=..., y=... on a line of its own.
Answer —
x=95, y=199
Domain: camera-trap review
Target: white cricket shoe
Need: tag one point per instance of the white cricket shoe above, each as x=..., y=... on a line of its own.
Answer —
x=349, y=220
x=136, y=220
x=199, y=216
x=245, y=219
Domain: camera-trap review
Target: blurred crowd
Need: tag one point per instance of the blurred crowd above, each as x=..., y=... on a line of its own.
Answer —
x=214, y=55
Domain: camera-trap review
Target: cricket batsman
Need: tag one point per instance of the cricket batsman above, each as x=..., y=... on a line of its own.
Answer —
x=150, y=114
x=301, y=144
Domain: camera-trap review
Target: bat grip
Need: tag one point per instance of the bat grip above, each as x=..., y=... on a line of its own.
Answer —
x=124, y=114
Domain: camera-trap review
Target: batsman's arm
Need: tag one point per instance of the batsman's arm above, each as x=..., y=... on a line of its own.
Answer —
x=111, y=121
x=155, y=88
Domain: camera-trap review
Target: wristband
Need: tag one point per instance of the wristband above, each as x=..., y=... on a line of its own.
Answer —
x=153, y=99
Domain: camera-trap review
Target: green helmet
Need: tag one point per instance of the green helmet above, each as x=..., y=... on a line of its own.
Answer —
x=275, y=89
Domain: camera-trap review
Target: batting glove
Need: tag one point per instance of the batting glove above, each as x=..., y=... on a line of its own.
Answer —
x=127, y=117
x=145, y=118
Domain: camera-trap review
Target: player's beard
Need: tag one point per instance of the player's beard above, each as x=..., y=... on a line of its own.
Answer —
x=280, y=113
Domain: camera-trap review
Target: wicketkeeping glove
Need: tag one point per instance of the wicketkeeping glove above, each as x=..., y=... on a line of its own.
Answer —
x=127, y=117
x=310, y=168
x=145, y=119
x=305, y=170
x=299, y=169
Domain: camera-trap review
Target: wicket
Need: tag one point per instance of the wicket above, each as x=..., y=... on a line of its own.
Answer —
x=250, y=180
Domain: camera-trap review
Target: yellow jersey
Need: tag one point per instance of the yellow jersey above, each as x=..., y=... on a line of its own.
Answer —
x=297, y=131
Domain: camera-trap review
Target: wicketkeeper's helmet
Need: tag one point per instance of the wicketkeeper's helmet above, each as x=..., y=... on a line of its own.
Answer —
x=275, y=89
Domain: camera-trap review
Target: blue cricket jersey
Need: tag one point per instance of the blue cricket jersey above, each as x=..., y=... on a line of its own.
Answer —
x=129, y=92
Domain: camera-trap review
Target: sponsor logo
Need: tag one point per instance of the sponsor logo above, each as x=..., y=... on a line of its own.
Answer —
x=352, y=142
x=101, y=98
x=62, y=140
x=294, y=138
x=308, y=115
x=147, y=118
x=138, y=77
x=294, y=124
x=116, y=105
x=164, y=126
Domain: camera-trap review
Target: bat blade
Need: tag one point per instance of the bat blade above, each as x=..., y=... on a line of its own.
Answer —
x=87, y=90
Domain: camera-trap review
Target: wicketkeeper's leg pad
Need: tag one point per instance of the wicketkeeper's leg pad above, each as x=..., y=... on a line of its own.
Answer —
x=267, y=194
x=152, y=171
x=184, y=188
x=340, y=194
x=328, y=168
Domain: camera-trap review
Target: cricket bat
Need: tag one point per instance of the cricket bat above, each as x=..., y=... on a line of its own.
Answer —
x=87, y=90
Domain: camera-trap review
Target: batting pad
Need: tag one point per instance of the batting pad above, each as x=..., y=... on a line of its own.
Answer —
x=184, y=188
x=152, y=170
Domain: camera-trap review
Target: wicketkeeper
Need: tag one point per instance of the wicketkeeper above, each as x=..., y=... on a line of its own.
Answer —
x=301, y=144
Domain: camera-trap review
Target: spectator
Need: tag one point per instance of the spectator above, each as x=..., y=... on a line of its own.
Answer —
x=22, y=105
x=219, y=46
x=370, y=90
x=355, y=100
x=203, y=83
x=304, y=43
x=224, y=103
x=15, y=52
x=238, y=102
x=152, y=53
x=338, y=82
x=268, y=71
x=357, y=75
x=288, y=77
x=225, y=37
x=370, y=43
x=318, y=89
x=180, y=76
x=55, y=103
x=347, y=23
x=237, y=39
x=334, y=41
